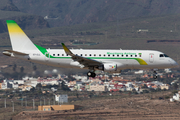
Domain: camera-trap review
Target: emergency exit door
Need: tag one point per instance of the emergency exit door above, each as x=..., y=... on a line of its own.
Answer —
x=151, y=57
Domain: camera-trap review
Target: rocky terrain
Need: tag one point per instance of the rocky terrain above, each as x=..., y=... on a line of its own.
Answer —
x=68, y=12
x=27, y=21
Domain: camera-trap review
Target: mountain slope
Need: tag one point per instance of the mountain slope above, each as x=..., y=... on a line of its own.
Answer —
x=27, y=21
x=68, y=12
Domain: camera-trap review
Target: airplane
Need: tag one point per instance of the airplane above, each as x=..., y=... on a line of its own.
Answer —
x=112, y=61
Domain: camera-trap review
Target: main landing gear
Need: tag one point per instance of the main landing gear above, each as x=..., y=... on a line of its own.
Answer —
x=91, y=74
x=155, y=74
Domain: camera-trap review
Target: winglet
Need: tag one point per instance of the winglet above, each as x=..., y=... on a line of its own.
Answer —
x=66, y=49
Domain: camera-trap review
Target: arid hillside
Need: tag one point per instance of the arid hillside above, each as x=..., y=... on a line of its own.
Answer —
x=119, y=106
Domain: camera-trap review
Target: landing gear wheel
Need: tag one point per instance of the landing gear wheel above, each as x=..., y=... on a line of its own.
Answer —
x=91, y=74
x=155, y=76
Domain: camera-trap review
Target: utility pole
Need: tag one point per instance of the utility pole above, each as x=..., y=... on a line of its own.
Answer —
x=26, y=102
x=62, y=101
x=21, y=101
x=12, y=106
x=44, y=101
x=33, y=104
x=40, y=102
x=5, y=102
x=49, y=101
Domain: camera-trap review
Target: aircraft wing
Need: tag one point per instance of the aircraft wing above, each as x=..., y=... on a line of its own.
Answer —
x=86, y=62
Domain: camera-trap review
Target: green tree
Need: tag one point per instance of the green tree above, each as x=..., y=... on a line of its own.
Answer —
x=64, y=87
x=77, y=95
x=34, y=68
x=14, y=67
x=39, y=86
x=175, y=86
x=22, y=69
x=144, y=86
x=32, y=89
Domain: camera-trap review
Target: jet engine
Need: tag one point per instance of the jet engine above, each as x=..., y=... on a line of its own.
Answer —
x=108, y=67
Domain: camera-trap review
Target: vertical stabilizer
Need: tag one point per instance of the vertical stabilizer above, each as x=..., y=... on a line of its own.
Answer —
x=19, y=39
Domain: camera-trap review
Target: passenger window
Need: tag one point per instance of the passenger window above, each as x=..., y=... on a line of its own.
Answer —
x=126, y=55
x=66, y=54
x=100, y=55
x=57, y=54
x=89, y=54
x=85, y=54
x=135, y=55
x=113, y=55
x=62, y=54
x=117, y=55
x=81, y=55
x=53, y=54
x=94, y=54
x=122, y=55
x=108, y=55
x=104, y=55
x=131, y=55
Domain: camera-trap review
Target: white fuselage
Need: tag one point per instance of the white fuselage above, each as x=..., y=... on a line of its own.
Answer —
x=125, y=59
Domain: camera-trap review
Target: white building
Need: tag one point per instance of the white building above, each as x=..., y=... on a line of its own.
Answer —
x=176, y=96
x=139, y=72
x=48, y=81
x=15, y=86
x=53, y=89
x=4, y=85
x=18, y=81
x=61, y=98
x=167, y=70
x=7, y=84
x=129, y=84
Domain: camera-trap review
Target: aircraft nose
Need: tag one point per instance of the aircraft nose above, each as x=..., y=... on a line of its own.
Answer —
x=174, y=63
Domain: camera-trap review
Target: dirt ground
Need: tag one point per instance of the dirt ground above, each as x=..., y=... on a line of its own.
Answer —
x=122, y=107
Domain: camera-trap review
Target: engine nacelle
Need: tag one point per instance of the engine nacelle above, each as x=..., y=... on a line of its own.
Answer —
x=110, y=67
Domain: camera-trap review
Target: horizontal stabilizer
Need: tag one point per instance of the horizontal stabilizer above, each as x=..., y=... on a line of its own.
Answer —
x=6, y=52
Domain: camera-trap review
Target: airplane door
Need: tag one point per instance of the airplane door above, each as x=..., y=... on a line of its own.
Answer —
x=47, y=55
x=151, y=57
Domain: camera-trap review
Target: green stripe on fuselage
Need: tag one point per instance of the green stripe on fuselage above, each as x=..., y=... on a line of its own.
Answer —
x=43, y=50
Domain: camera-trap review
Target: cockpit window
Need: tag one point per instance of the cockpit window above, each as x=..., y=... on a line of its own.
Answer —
x=166, y=55
x=163, y=55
